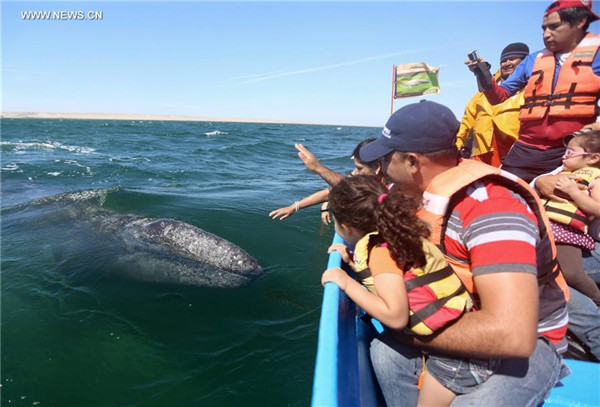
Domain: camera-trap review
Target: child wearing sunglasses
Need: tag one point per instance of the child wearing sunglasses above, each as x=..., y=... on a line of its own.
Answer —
x=579, y=186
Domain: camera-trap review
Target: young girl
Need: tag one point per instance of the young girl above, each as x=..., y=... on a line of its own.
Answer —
x=570, y=219
x=409, y=283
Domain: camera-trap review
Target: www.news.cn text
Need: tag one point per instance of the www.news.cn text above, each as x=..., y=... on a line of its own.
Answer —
x=76, y=15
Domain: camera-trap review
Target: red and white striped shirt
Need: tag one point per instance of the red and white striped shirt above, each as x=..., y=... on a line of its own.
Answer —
x=493, y=230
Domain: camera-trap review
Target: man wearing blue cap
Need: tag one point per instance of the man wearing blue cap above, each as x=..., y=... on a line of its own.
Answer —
x=491, y=227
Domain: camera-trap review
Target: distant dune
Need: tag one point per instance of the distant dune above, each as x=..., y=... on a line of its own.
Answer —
x=124, y=116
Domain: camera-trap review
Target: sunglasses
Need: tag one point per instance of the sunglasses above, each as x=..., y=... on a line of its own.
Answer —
x=570, y=153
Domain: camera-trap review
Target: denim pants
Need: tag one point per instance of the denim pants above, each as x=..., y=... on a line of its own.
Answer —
x=591, y=263
x=519, y=382
x=584, y=315
x=461, y=375
x=584, y=321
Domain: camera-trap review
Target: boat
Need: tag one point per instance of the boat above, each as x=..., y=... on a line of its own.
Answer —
x=343, y=375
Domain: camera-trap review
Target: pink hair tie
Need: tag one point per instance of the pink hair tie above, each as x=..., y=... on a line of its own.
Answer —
x=381, y=198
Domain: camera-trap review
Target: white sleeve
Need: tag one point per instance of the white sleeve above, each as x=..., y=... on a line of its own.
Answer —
x=554, y=172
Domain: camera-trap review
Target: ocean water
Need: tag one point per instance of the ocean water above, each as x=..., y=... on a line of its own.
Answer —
x=76, y=332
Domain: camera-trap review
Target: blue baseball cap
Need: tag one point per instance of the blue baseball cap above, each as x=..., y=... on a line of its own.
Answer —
x=423, y=127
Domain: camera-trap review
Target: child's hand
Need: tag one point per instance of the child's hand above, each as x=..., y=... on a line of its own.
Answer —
x=342, y=249
x=335, y=275
x=567, y=185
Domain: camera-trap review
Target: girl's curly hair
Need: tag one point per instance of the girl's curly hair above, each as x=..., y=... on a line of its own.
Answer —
x=355, y=201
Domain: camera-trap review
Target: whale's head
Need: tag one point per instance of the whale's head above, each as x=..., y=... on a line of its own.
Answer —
x=198, y=245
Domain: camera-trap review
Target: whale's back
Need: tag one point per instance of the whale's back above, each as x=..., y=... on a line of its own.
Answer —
x=197, y=244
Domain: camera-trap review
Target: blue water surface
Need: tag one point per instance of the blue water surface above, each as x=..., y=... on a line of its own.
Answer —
x=75, y=332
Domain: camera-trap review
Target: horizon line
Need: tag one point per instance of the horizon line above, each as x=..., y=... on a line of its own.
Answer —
x=156, y=117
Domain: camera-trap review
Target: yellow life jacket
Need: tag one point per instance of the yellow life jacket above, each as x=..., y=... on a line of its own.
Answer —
x=452, y=184
x=577, y=87
x=567, y=212
x=488, y=121
x=436, y=295
x=361, y=262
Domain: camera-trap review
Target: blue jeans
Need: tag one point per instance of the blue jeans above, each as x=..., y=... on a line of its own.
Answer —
x=461, y=375
x=591, y=263
x=584, y=321
x=518, y=381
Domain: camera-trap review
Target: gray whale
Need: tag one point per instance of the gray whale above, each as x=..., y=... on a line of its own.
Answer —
x=77, y=226
x=167, y=250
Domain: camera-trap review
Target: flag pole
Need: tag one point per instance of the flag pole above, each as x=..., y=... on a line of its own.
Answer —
x=393, y=89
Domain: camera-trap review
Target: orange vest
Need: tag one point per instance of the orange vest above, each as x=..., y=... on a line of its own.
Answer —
x=452, y=183
x=577, y=87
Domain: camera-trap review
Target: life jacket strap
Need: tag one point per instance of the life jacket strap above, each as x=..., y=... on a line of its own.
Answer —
x=576, y=216
x=529, y=104
x=547, y=273
x=550, y=100
x=429, y=278
x=581, y=63
x=363, y=274
x=541, y=76
x=430, y=309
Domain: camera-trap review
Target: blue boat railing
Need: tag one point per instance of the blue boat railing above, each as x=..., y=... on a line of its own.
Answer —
x=325, y=378
x=343, y=376
x=342, y=381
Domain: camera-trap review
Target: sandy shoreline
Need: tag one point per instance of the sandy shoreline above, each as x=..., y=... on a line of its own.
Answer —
x=124, y=116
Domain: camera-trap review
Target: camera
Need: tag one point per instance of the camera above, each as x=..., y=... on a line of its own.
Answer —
x=481, y=69
x=473, y=56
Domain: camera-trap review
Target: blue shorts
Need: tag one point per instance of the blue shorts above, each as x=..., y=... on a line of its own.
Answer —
x=461, y=375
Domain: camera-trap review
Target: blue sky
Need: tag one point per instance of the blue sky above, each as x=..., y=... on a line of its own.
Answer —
x=319, y=62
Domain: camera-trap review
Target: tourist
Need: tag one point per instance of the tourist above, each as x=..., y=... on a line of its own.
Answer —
x=492, y=229
x=494, y=128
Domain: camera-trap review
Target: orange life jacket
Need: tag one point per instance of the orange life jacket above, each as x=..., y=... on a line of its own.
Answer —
x=577, y=87
x=451, y=184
